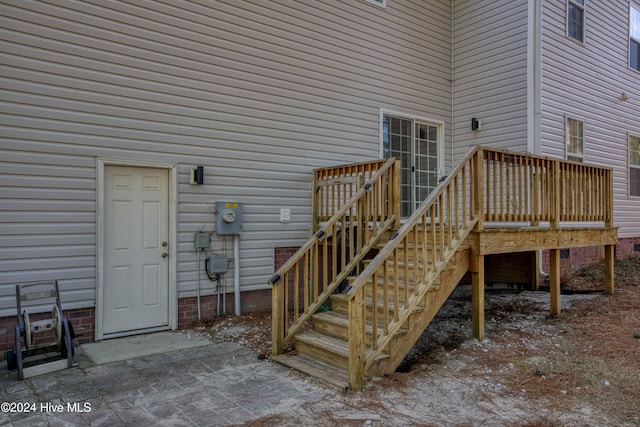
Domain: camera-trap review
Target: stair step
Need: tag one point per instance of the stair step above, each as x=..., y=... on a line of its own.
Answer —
x=340, y=304
x=330, y=374
x=391, y=291
x=327, y=349
x=337, y=325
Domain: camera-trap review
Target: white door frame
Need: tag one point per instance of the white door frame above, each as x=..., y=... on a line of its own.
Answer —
x=415, y=118
x=173, y=245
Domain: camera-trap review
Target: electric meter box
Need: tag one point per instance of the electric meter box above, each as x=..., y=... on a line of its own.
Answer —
x=228, y=218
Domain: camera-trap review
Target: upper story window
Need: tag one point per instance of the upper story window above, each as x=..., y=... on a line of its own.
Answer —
x=634, y=166
x=575, y=19
x=575, y=140
x=382, y=3
x=634, y=38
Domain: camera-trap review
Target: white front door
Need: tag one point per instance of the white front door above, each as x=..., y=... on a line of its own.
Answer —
x=136, y=250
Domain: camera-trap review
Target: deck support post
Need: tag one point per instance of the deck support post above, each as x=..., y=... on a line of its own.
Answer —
x=477, y=295
x=357, y=348
x=554, y=280
x=277, y=321
x=609, y=260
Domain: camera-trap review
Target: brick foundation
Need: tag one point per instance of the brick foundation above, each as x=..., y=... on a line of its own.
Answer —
x=626, y=248
x=579, y=258
x=83, y=320
x=250, y=302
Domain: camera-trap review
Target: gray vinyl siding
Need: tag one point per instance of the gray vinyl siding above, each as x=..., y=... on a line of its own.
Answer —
x=259, y=93
x=490, y=74
x=585, y=81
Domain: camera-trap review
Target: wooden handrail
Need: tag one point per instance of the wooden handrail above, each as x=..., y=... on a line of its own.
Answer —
x=317, y=269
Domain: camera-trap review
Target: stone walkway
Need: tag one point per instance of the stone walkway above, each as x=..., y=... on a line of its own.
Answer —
x=215, y=385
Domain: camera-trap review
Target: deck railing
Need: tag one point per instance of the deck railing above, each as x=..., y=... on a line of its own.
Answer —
x=487, y=185
x=526, y=188
x=334, y=186
x=303, y=284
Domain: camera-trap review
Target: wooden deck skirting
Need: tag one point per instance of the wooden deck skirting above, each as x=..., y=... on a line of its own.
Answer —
x=478, y=210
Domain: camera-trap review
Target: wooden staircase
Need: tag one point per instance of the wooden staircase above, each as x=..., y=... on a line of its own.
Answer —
x=367, y=329
x=324, y=351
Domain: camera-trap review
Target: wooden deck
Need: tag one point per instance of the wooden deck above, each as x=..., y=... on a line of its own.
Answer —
x=370, y=285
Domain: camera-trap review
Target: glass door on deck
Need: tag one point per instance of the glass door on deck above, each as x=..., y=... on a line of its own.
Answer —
x=416, y=144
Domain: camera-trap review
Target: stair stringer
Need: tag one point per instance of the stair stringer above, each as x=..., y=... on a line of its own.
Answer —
x=433, y=301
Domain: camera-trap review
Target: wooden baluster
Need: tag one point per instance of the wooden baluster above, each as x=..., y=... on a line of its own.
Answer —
x=583, y=193
x=494, y=190
x=425, y=259
x=344, y=232
x=555, y=194
x=527, y=191
x=479, y=188
x=285, y=289
x=449, y=219
x=374, y=311
x=417, y=277
x=296, y=291
x=405, y=255
x=307, y=281
x=502, y=178
x=434, y=254
x=474, y=185
x=514, y=201
x=601, y=192
x=396, y=286
x=572, y=186
x=535, y=181
x=465, y=213
x=325, y=269
x=385, y=295
x=441, y=226
x=456, y=208
x=395, y=199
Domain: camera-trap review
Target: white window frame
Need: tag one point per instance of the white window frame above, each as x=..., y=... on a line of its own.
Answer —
x=583, y=7
x=631, y=165
x=634, y=29
x=568, y=154
x=380, y=3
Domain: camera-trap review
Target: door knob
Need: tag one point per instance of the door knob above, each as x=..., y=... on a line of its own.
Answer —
x=164, y=254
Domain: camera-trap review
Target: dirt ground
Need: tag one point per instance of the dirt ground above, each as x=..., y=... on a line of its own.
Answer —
x=577, y=369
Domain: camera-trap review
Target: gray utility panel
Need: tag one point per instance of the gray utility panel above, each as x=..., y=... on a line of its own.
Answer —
x=228, y=218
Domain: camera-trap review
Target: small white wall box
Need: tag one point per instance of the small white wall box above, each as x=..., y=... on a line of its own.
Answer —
x=285, y=215
x=228, y=218
x=202, y=241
